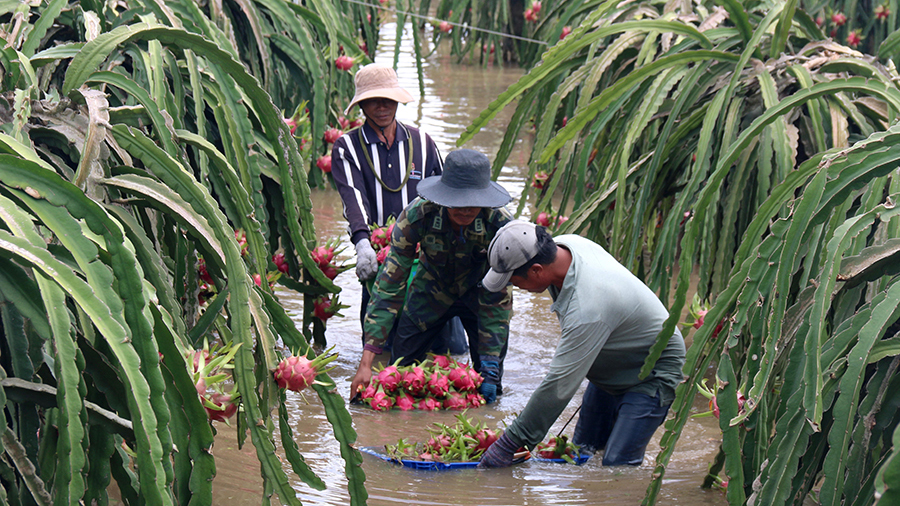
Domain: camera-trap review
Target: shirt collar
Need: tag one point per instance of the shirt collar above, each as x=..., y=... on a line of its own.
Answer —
x=370, y=136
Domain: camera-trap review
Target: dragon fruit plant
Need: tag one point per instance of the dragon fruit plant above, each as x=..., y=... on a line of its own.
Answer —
x=710, y=393
x=298, y=372
x=465, y=441
x=210, y=369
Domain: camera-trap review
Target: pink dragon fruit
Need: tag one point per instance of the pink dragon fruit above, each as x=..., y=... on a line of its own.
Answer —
x=476, y=378
x=543, y=219
x=443, y=361
x=485, y=438
x=298, y=372
x=405, y=402
x=344, y=62
x=460, y=379
x=224, y=406
x=324, y=163
x=428, y=404
x=474, y=400
x=437, y=443
x=380, y=237
x=324, y=308
x=322, y=255
x=369, y=392
x=382, y=254
x=455, y=400
x=332, y=134
x=414, y=381
x=381, y=401
x=390, y=377
x=438, y=384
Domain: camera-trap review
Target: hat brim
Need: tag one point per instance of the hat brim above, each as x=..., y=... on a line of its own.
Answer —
x=433, y=189
x=397, y=94
x=495, y=281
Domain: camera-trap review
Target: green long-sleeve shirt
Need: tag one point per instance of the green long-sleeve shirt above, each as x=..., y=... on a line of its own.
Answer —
x=609, y=320
x=451, y=267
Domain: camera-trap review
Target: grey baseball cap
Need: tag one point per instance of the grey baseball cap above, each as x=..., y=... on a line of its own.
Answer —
x=513, y=246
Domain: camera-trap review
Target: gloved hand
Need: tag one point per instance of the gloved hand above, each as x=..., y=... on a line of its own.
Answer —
x=489, y=392
x=499, y=454
x=490, y=372
x=366, y=260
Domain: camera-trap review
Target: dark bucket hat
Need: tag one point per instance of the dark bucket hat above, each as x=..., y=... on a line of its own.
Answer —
x=465, y=182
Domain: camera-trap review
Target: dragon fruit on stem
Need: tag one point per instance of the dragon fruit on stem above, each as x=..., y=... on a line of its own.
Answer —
x=298, y=372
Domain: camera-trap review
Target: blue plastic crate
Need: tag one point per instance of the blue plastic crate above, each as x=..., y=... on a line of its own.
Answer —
x=424, y=465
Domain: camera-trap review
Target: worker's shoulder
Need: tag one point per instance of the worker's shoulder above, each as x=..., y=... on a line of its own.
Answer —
x=419, y=209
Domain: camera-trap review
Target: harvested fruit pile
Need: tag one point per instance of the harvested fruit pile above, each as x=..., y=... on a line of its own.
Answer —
x=437, y=383
x=465, y=441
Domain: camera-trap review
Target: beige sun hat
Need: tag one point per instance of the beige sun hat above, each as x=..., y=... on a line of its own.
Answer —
x=378, y=81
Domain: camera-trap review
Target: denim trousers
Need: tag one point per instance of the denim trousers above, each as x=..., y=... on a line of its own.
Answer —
x=620, y=424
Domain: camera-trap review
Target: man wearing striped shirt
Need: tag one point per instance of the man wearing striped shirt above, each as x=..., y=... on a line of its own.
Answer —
x=378, y=166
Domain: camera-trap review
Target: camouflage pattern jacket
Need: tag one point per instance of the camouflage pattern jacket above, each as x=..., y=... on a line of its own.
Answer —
x=451, y=267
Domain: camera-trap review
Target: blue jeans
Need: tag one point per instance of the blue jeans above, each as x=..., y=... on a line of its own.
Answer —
x=622, y=424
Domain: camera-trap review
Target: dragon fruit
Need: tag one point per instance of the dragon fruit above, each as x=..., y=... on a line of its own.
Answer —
x=405, y=402
x=390, y=377
x=428, y=404
x=382, y=254
x=414, y=381
x=381, y=401
x=485, y=438
x=298, y=372
x=455, y=400
x=219, y=406
x=324, y=308
x=332, y=134
x=474, y=400
x=438, y=385
x=459, y=377
x=437, y=443
x=322, y=255
x=324, y=163
x=443, y=361
x=344, y=62
x=476, y=378
x=379, y=237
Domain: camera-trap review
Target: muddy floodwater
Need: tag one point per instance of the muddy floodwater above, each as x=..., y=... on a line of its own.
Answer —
x=454, y=95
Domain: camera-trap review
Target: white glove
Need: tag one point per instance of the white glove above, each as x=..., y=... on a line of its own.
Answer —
x=366, y=261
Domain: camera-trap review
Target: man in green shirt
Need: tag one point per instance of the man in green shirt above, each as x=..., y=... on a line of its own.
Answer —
x=609, y=320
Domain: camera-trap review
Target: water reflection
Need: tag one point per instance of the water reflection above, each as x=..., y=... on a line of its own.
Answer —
x=454, y=95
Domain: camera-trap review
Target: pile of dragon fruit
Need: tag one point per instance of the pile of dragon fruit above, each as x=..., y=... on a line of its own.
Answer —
x=558, y=447
x=437, y=383
x=465, y=441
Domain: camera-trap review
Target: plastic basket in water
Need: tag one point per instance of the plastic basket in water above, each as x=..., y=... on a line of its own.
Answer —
x=581, y=459
x=424, y=465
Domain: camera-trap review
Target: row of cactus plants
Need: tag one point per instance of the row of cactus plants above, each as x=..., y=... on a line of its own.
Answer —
x=152, y=195
x=751, y=145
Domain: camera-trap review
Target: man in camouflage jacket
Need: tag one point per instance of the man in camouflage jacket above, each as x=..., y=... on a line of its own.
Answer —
x=448, y=228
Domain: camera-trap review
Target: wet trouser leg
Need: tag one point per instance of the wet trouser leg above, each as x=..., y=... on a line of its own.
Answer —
x=622, y=424
x=451, y=338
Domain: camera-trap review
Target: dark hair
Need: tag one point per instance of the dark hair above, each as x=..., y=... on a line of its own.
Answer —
x=546, y=253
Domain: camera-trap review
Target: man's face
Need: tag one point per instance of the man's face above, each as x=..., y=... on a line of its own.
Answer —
x=532, y=282
x=380, y=111
x=463, y=216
